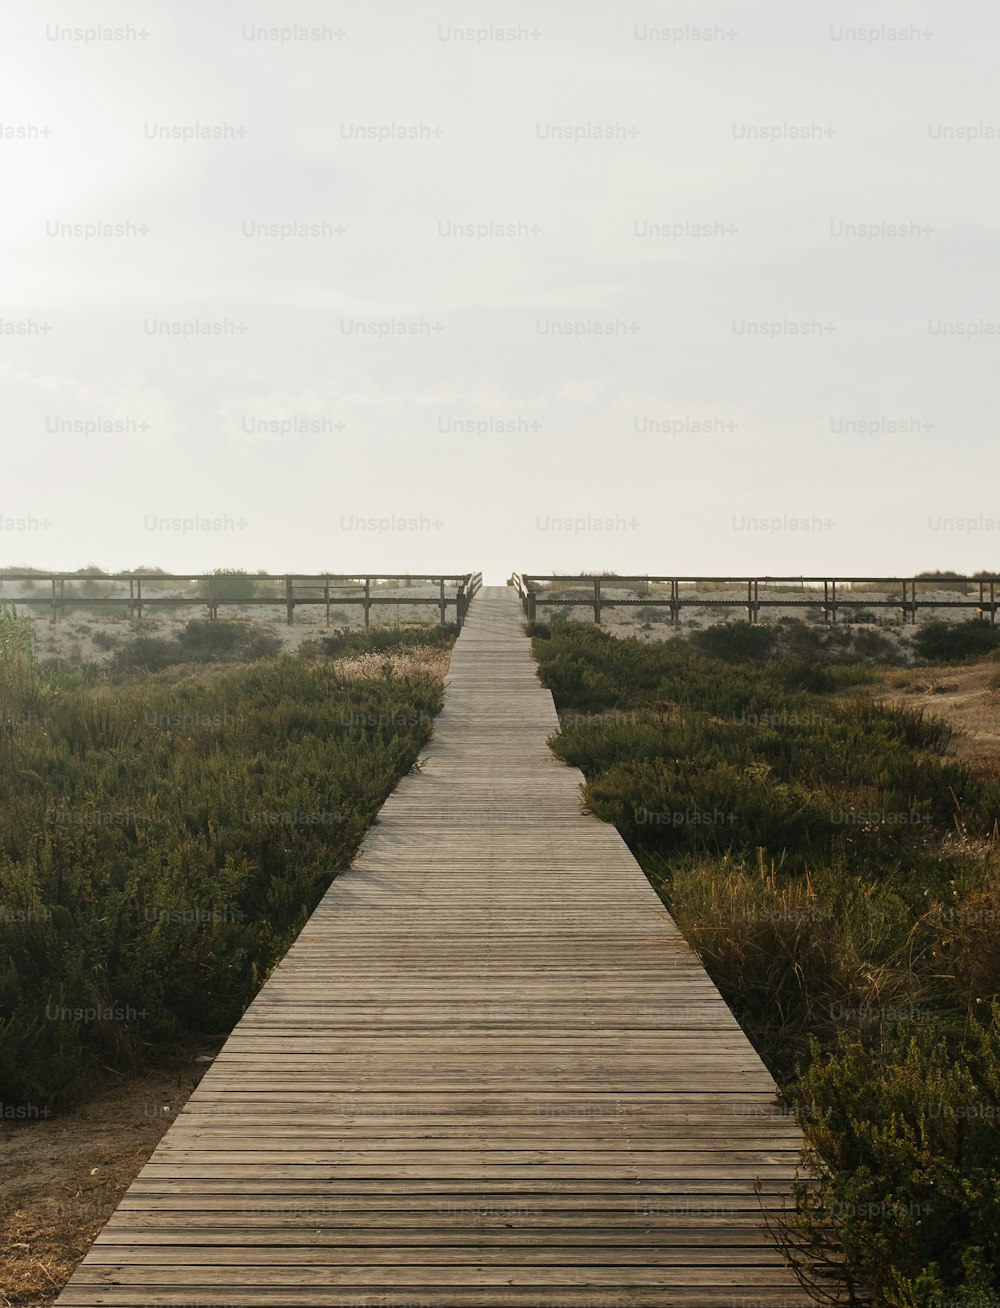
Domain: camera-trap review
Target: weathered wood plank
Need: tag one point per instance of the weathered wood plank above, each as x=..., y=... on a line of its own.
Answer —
x=489, y=1071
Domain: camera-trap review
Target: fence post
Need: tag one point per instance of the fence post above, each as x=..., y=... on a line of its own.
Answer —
x=368, y=600
x=55, y=608
x=597, y=600
x=443, y=606
x=326, y=597
x=289, y=600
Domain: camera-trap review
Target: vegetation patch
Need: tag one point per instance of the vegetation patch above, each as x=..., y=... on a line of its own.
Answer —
x=839, y=874
x=386, y=640
x=163, y=841
x=955, y=642
x=198, y=641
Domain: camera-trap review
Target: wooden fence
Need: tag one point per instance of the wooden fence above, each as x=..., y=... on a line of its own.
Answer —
x=676, y=593
x=216, y=590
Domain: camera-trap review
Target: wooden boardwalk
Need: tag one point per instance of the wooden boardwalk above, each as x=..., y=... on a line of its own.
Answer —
x=488, y=1072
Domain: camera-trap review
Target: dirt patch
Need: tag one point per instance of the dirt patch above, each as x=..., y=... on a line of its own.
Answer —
x=62, y=1177
x=967, y=697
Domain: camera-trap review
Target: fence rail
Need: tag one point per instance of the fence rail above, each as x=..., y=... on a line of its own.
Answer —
x=290, y=590
x=978, y=593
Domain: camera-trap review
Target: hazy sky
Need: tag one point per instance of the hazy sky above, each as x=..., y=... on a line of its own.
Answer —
x=547, y=287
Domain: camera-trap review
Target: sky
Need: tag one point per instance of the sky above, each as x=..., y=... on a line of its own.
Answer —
x=554, y=287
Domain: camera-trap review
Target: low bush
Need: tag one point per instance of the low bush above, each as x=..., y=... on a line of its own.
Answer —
x=198, y=641
x=162, y=844
x=380, y=640
x=106, y=640
x=736, y=642
x=141, y=653
x=955, y=642
x=243, y=642
x=231, y=584
x=904, y=1147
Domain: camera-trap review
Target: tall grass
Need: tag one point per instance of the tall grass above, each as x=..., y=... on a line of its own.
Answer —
x=22, y=693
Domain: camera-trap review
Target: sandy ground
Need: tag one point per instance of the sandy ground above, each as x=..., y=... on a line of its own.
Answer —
x=62, y=1178
x=967, y=696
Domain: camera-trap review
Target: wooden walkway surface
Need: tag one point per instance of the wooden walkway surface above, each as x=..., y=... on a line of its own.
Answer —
x=488, y=1072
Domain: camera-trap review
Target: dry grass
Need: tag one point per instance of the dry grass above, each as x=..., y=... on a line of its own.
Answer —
x=429, y=659
x=966, y=696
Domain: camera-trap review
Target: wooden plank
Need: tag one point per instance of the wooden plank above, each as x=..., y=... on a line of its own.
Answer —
x=488, y=1072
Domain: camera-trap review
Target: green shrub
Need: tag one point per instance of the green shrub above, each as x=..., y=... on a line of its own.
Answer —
x=230, y=584
x=876, y=647
x=799, y=957
x=382, y=640
x=804, y=780
x=259, y=645
x=960, y=928
x=182, y=836
x=146, y=654
x=736, y=642
x=198, y=641
x=91, y=588
x=905, y=1148
x=205, y=641
x=587, y=668
x=947, y=580
x=650, y=613
x=955, y=642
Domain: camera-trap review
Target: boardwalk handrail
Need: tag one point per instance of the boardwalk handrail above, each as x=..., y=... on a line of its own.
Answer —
x=467, y=592
x=461, y=587
x=531, y=590
x=519, y=584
